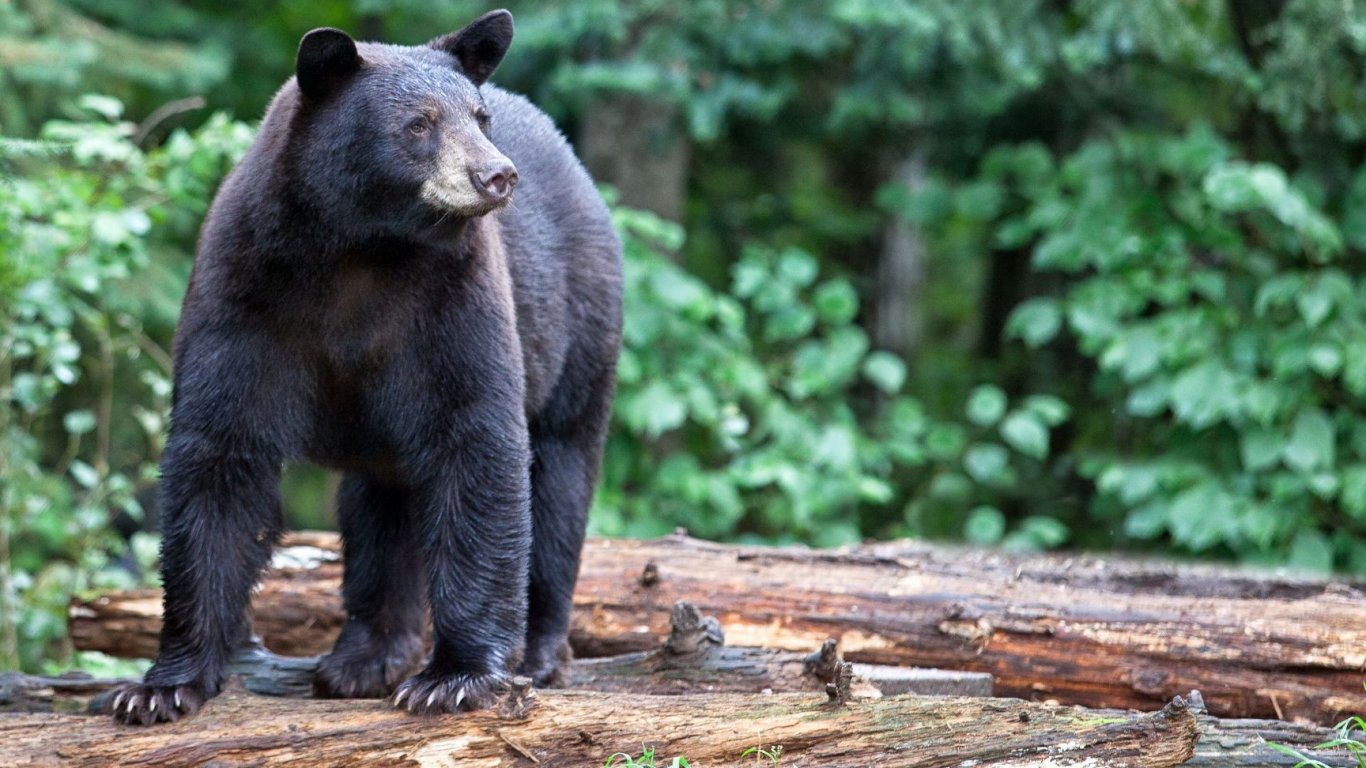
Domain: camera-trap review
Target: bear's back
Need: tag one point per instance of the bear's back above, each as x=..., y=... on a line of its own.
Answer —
x=564, y=253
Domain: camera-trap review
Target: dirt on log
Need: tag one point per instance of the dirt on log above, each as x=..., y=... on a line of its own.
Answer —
x=584, y=729
x=1083, y=631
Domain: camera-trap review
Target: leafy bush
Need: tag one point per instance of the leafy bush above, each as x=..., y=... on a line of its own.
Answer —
x=764, y=413
x=92, y=260
x=1225, y=320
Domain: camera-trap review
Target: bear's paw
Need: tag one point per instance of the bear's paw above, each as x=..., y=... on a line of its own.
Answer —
x=151, y=704
x=430, y=693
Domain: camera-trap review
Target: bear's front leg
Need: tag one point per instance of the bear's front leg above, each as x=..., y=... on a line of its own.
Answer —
x=220, y=502
x=476, y=539
x=221, y=517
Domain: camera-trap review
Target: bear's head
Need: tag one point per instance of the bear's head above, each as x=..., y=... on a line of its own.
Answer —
x=391, y=139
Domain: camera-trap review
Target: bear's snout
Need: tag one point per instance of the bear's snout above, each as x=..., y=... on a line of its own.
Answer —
x=496, y=181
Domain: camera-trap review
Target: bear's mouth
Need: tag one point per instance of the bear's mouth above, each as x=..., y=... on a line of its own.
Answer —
x=460, y=199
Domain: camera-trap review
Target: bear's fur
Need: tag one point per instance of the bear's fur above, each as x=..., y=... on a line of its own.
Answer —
x=370, y=293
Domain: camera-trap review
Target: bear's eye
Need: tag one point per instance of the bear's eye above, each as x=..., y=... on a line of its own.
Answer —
x=483, y=116
x=419, y=126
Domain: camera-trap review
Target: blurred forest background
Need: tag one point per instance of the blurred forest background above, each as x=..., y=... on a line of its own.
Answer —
x=1038, y=273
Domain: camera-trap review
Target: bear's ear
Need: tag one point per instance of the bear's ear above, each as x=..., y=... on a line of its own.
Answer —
x=480, y=46
x=327, y=58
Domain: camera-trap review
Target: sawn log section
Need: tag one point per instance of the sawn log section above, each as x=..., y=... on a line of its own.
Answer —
x=1076, y=630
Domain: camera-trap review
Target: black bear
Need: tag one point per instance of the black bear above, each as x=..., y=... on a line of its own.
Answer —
x=409, y=277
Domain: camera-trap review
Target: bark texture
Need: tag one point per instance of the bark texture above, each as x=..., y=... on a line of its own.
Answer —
x=639, y=146
x=1222, y=743
x=578, y=729
x=1074, y=630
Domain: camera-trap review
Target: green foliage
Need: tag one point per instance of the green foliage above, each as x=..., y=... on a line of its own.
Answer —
x=765, y=413
x=645, y=760
x=771, y=756
x=1215, y=300
x=87, y=220
x=51, y=54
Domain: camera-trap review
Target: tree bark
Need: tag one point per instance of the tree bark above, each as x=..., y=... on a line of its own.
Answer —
x=1222, y=743
x=692, y=659
x=1074, y=630
x=901, y=268
x=576, y=729
x=637, y=145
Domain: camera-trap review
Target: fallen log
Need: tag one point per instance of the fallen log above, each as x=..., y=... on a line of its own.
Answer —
x=1249, y=744
x=692, y=659
x=1076, y=630
x=560, y=728
x=1221, y=744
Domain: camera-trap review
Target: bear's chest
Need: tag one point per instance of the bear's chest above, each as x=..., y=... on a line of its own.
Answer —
x=363, y=320
x=354, y=335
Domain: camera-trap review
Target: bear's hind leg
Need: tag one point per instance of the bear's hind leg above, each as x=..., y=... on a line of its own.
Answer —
x=381, y=642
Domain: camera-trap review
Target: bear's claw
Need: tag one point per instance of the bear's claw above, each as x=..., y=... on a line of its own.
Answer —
x=150, y=704
x=428, y=693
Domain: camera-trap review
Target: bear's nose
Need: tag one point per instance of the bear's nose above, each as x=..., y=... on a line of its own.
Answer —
x=497, y=182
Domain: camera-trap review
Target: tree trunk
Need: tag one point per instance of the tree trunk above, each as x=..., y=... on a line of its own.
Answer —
x=577, y=729
x=637, y=145
x=1075, y=630
x=901, y=269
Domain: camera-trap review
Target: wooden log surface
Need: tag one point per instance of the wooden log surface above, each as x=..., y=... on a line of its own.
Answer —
x=1076, y=630
x=560, y=728
x=1221, y=744
x=692, y=658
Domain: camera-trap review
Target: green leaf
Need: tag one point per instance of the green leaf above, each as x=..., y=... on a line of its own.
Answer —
x=1149, y=399
x=1260, y=448
x=1026, y=434
x=836, y=302
x=1354, y=491
x=875, y=490
x=1037, y=532
x=1036, y=322
x=984, y=525
x=986, y=405
x=84, y=474
x=1312, y=443
x=1326, y=359
x=1354, y=368
x=986, y=462
x=944, y=441
x=886, y=371
x=1132, y=483
x=680, y=291
x=1136, y=354
x=1200, y=394
x=107, y=107
x=1051, y=409
x=1324, y=485
x=797, y=267
x=1314, y=303
x=1147, y=522
x=655, y=409
x=1200, y=517
x=1311, y=551
x=78, y=422
x=789, y=323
